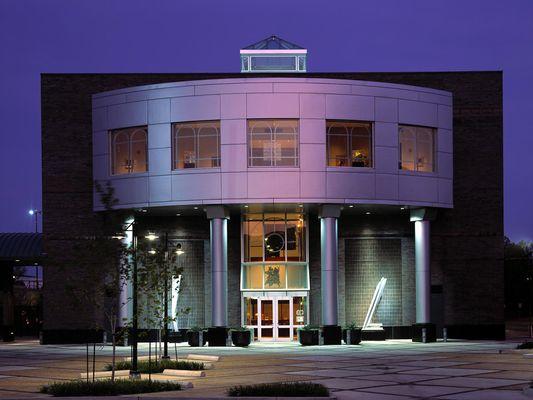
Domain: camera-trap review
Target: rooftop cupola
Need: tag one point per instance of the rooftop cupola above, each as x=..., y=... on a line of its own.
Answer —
x=273, y=54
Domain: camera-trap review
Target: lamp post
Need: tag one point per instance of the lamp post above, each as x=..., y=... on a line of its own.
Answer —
x=165, y=299
x=134, y=372
x=35, y=213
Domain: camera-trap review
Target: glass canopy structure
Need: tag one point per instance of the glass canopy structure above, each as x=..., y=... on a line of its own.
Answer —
x=273, y=54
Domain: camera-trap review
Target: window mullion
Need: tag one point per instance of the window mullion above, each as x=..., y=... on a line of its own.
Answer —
x=196, y=146
x=272, y=144
x=130, y=162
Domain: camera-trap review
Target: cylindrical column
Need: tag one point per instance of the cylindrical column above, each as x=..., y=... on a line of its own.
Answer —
x=423, y=273
x=219, y=273
x=329, y=268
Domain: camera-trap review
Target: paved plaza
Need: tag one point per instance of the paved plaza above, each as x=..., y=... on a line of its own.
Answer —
x=391, y=370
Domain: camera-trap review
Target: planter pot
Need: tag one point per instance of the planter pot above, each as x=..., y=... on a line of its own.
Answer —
x=193, y=338
x=308, y=337
x=241, y=338
x=352, y=336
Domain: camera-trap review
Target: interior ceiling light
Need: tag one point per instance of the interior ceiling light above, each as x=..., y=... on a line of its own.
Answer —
x=151, y=236
x=367, y=213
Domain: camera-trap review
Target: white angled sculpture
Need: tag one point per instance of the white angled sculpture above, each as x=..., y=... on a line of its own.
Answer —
x=376, y=298
x=176, y=286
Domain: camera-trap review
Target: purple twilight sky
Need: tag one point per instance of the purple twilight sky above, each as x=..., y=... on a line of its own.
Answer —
x=205, y=36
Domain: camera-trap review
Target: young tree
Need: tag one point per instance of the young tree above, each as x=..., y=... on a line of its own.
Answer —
x=157, y=268
x=105, y=265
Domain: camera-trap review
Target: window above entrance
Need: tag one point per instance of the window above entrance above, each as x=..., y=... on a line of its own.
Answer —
x=258, y=276
x=274, y=237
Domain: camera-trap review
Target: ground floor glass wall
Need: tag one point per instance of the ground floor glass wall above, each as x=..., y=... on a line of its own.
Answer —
x=275, y=316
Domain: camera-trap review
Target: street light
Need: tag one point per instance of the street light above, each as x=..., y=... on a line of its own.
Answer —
x=165, y=300
x=35, y=213
x=134, y=373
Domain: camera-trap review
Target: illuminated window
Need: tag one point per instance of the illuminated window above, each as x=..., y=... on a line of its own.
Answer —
x=274, y=237
x=349, y=144
x=417, y=148
x=275, y=252
x=273, y=143
x=129, y=150
x=196, y=145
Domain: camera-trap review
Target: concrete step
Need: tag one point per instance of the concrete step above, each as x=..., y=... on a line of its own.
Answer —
x=202, y=357
x=183, y=372
x=105, y=374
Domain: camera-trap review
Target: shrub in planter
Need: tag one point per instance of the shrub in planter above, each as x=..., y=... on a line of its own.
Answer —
x=193, y=337
x=241, y=337
x=284, y=389
x=107, y=387
x=157, y=366
x=351, y=334
x=308, y=335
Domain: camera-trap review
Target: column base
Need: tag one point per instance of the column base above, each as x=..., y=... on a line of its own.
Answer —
x=373, y=334
x=332, y=334
x=430, y=332
x=217, y=336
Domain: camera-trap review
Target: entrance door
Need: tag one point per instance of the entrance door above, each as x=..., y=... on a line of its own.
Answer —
x=275, y=318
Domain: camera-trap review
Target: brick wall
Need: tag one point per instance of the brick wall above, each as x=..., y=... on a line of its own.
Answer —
x=367, y=261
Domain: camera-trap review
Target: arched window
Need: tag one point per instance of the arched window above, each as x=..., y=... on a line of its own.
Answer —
x=349, y=144
x=129, y=150
x=417, y=148
x=196, y=145
x=273, y=143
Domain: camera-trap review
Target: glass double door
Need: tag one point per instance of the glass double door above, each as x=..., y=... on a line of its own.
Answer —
x=275, y=318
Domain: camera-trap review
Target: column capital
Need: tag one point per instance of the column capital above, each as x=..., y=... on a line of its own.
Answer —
x=423, y=214
x=217, y=211
x=330, y=211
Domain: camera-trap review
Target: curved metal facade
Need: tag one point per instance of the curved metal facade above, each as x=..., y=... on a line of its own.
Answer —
x=312, y=101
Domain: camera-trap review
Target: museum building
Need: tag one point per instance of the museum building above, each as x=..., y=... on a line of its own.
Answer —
x=294, y=198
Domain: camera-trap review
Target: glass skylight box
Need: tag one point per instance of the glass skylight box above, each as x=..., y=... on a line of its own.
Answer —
x=273, y=54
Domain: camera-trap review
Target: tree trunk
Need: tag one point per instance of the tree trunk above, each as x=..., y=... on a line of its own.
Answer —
x=87, y=360
x=150, y=359
x=94, y=359
x=113, y=359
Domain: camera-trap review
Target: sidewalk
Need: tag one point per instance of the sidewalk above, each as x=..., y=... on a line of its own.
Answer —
x=391, y=370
